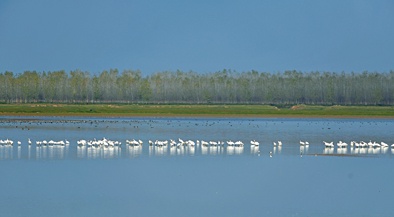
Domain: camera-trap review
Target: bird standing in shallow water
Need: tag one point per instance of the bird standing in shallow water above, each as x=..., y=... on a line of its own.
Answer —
x=254, y=142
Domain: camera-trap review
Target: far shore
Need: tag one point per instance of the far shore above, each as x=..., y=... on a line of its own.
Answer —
x=230, y=111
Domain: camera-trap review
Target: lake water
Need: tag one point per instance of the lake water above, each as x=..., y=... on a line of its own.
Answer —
x=186, y=180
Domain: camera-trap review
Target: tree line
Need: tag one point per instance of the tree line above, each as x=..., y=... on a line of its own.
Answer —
x=221, y=87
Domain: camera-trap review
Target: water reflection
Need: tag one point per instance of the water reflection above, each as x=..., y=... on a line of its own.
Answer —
x=214, y=150
x=236, y=150
x=132, y=151
x=304, y=149
x=29, y=152
x=19, y=152
x=50, y=152
x=254, y=150
x=105, y=152
x=328, y=150
x=160, y=150
x=93, y=152
x=341, y=150
x=81, y=151
x=204, y=150
x=278, y=149
x=182, y=150
x=6, y=152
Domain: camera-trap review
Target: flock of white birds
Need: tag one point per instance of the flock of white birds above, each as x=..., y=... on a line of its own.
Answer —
x=180, y=142
x=361, y=144
x=237, y=147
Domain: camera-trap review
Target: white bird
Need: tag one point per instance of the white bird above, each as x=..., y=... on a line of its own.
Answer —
x=204, y=143
x=230, y=143
x=341, y=144
x=383, y=144
x=254, y=142
x=190, y=142
x=239, y=143
x=329, y=144
x=213, y=143
x=279, y=143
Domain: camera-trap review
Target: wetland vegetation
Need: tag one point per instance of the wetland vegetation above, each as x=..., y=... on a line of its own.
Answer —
x=41, y=109
x=222, y=93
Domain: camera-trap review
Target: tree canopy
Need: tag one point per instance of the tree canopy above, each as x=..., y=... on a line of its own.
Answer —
x=222, y=87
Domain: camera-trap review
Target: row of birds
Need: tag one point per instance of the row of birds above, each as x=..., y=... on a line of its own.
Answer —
x=108, y=142
x=180, y=142
x=160, y=143
x=360, y=144
x=38, y=143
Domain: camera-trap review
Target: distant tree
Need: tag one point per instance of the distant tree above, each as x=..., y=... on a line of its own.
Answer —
x=225, y=86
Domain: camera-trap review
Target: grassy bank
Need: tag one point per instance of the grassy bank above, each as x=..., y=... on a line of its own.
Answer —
x=194, y=110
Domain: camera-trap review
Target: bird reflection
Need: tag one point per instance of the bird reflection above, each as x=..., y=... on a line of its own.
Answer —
x=81, y=151
x=192, y=150
x=328, y=150
x=106, y=152
x=341, y=150
x=373, y=150
x=304, y=149
x=384, y=150
x=254, y=149
x=107, y=149
x=204, y=150
x=38, y=152
x=160, y=150
x=362, y=150
x=134, y=151
x=48, y=149
x=6, y=152
x=277, y=149
x=180, y=150
x=19, y=152
x=173, y=150
x=29, y=152
x=151, y=150
x=230, y=150
x=213, y=150
x=239, y=150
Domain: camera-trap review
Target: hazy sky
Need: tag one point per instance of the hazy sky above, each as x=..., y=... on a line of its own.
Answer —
x=203, y=36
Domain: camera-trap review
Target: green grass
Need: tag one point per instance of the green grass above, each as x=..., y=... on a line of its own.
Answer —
x=194, y=110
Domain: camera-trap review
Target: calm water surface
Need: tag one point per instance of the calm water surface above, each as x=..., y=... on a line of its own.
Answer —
x=291, y=180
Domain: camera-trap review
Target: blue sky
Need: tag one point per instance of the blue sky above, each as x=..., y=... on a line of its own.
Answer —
x=203, y=36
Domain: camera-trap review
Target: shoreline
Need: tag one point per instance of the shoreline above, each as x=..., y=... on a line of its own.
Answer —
x=2, y=115
x=196, y=111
